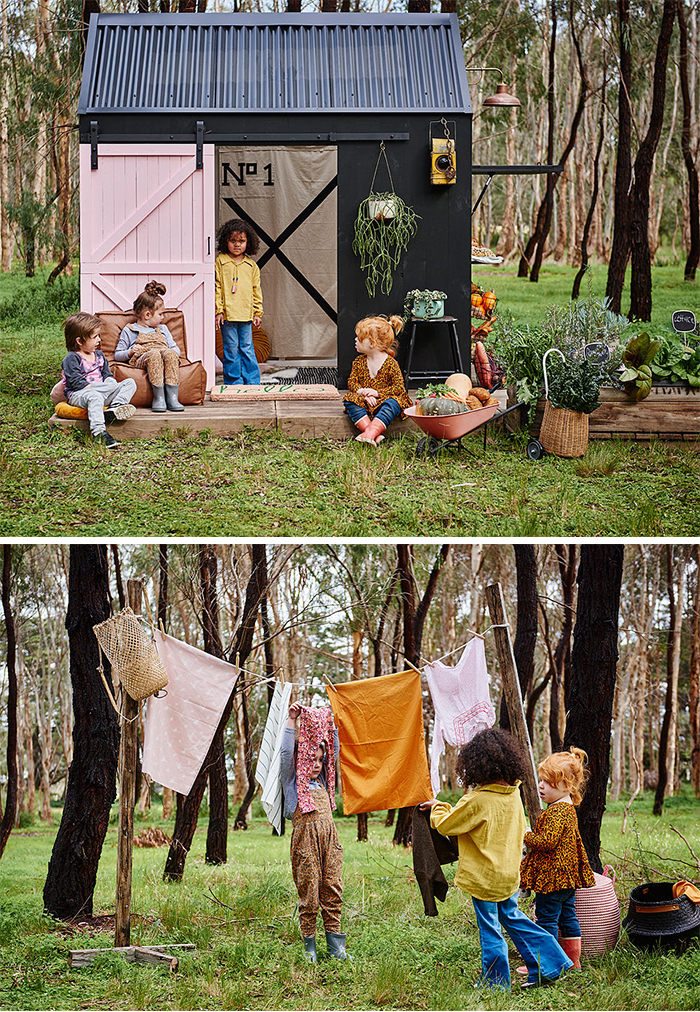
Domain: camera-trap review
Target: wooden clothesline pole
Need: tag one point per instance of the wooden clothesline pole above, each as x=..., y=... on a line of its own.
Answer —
x=513, y=695
x=128, y=757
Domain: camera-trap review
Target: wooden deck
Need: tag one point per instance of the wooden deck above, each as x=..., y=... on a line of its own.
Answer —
x=669, y=413
x=300, y=420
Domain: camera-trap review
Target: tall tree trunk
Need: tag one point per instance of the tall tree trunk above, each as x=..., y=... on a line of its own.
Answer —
x=619, y=252
x=260, y=571
x=414, y=614
x=188, y=807
x=694, y=684
x=163, y=623
x=217, y=829
x=575, y=291
x=8, y=815
x=640, y=285
x=118, y=577
x=593, y=670
x=92, y=779
x=526, y=632
x=691, y=168
x=669, y=725
x=6, y=238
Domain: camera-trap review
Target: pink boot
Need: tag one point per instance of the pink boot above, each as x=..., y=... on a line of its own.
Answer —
x=373, y=432
x=572, y=947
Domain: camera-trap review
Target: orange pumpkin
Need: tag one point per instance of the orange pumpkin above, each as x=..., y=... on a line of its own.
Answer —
x=477, y=300
x=489, y=301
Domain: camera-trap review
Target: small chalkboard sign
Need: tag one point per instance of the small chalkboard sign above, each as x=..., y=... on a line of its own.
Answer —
x=683, y=321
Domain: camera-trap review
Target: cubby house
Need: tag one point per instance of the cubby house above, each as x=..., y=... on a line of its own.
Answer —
x=187, y=120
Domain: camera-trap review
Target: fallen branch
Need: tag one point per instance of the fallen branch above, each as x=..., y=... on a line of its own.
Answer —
x=697, y=862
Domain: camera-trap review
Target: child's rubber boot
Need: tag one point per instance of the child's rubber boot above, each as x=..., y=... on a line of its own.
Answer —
x=158, y=402
x=171, y=399
x=572, y=947
x=336, y=946
x=310, y=947
x=362, y=423
x=373, y=433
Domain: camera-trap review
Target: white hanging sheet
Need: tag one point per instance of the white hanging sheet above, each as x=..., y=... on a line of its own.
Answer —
x=180, y=727
x=267, y=772
x=461, y=700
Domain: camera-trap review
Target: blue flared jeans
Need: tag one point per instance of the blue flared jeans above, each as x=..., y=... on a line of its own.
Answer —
x=543, y=956
x=240, y=363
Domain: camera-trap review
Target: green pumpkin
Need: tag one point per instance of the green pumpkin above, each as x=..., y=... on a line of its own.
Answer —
x=437, y=405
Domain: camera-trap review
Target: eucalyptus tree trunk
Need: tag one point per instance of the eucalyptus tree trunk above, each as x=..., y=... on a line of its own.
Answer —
x=8, y=815
x=669, y=726
x=689, y=151
x=92, y=778
x=694, y=683
x=619, y=252
x=593, y=673
x=414, y=615
x=526, y=630
x=640, y=284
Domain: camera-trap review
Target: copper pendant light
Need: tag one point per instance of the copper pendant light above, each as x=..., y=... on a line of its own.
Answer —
x=502, y=98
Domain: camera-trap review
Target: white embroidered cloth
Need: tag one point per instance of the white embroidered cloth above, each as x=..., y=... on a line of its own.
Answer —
x=267, y=772
x=461, y=700
x=180, y=727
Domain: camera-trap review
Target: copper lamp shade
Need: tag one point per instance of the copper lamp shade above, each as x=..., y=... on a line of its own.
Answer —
x=502, y=98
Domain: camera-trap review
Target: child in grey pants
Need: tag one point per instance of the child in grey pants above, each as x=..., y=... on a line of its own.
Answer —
x=88, y=380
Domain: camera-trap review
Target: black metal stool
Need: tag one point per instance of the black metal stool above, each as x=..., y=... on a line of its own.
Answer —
x=451, y=323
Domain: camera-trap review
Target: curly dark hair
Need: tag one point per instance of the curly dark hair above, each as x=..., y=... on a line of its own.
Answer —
x=237, y=225
x=490, y=756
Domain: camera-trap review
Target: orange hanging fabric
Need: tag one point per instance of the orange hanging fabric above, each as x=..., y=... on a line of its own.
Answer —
x=383, y=762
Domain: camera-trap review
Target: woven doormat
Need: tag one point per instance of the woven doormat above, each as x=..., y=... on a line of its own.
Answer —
x=275, y=392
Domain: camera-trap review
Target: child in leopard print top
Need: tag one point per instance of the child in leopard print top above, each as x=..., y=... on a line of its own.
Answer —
x=556, y=864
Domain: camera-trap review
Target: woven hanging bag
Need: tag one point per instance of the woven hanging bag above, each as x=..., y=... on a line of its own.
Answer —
x=132, y=654
x=598, y=912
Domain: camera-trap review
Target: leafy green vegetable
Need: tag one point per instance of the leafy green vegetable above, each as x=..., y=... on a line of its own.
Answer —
x=574, y=384
x=435, y=388
x=677, y=362
x=637, y=358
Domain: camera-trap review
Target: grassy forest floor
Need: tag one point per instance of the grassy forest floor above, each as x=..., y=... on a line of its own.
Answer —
x=242, y=918
x=58, y=483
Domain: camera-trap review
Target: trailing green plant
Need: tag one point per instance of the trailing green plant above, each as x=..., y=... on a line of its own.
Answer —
x=676, y=361
x=574, y=384
x=637, y=358
x=381, y=242
x=420, y=295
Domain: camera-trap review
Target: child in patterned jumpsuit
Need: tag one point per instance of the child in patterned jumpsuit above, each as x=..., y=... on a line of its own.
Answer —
x=316, y=854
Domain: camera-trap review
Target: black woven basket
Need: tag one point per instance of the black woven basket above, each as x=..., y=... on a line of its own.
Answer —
x=656, y=917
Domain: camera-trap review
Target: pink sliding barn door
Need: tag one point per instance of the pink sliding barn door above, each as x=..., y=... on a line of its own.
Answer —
x=147, y=213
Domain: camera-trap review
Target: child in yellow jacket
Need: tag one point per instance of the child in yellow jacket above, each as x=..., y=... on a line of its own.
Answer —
x=489, y=823
x=238, y=299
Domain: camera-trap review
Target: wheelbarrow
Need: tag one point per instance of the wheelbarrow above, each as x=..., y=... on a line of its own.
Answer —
x=448, y=430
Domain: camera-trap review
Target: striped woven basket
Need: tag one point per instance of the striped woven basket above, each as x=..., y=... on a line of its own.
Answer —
x=598, y=912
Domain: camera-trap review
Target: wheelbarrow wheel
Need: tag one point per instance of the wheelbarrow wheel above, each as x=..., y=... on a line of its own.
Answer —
x=428, y=446
x=535, y=450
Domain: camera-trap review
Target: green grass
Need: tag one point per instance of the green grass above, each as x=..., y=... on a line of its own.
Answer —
x=58, y=483
x=242, y=918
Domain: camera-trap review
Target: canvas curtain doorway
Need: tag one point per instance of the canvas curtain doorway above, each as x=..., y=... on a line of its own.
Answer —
x=289, y=195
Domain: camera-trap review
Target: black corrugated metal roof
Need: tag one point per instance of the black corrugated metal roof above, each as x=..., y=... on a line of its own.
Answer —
x=274, y=62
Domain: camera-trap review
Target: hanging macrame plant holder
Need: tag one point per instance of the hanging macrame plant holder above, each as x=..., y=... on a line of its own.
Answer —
x=132, y=654
x=383, y=228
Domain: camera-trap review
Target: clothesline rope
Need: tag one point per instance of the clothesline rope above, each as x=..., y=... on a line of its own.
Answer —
x=481, y=636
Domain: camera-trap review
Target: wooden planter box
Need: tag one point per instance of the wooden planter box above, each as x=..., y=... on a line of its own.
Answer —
x=669, y=412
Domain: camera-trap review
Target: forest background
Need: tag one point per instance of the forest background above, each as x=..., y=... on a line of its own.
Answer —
x=310, y=614
x=609, y=89
x=607, y=643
